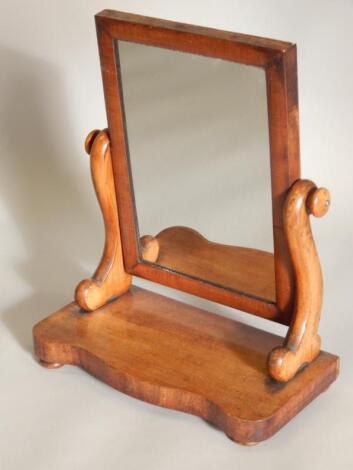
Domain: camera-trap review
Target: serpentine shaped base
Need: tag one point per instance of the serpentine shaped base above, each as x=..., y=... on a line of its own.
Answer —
x=110, y=279
x=302, y=344
x=173, y=355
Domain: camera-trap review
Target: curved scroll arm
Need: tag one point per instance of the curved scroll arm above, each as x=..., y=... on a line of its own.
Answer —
x=302, y=343
x=110, y=279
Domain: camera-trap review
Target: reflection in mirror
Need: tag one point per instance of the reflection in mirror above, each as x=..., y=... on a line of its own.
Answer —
x=199, y=152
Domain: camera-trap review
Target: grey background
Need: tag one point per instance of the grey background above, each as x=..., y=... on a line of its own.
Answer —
x=52, y=236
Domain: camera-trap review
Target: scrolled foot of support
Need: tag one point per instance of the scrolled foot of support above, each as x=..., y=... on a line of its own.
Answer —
x=283, y=363
x=302, y=343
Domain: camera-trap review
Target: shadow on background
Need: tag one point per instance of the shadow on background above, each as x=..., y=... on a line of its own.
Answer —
x=57, y=225
x=38, y=190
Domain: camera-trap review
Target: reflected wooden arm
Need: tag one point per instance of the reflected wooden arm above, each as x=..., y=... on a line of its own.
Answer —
x=150, y=248
x=302, y=343
x=110, y=279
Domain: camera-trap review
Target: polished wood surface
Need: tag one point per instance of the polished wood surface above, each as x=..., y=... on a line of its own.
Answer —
x=110, y=278
x=302, y=343
x=278, y=59
x=177, y=356
x=283, y=121
x=244, y=48
x=243, y=269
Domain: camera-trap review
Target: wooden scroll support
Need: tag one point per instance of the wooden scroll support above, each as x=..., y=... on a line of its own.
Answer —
x=110, y=279
x=302, y=343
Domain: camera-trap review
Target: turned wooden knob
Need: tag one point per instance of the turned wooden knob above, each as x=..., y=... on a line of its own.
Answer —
x=318, y=202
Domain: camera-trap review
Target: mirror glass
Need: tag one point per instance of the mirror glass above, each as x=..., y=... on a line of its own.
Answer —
x=197, y=133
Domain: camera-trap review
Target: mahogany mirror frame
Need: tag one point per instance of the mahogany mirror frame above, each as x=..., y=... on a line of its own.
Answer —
x=278, y=59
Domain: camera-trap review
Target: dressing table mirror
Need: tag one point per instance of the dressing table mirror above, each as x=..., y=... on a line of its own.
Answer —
x=198, y=180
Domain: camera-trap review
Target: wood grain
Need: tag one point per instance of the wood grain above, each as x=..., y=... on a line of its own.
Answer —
x=177, y=356
x=302, y=343
x=110, y=278
x=243, y=269
x=283, y=120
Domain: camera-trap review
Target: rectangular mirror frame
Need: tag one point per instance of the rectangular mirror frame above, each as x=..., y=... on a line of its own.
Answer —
x=278, y=59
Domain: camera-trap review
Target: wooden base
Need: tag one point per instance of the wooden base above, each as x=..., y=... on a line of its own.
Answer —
x=177, y=356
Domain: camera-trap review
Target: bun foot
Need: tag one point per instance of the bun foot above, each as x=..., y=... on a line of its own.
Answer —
x=50, y=365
